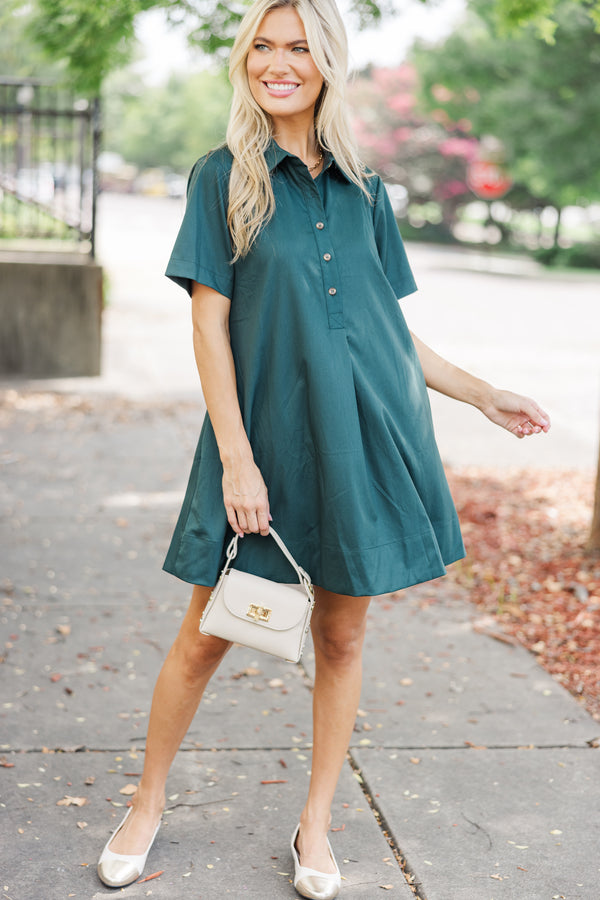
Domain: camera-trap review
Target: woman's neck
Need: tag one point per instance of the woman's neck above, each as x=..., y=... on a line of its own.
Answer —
x=297, y=138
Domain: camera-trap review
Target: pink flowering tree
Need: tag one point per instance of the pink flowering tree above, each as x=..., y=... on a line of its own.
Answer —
x=426, y=153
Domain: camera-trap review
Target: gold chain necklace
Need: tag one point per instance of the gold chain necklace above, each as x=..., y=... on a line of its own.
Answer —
x=317, y=164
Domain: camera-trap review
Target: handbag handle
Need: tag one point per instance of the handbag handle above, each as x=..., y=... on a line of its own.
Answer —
x=303, y=577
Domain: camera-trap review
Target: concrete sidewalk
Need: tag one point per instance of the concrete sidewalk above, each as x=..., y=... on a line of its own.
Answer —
x=471, y=760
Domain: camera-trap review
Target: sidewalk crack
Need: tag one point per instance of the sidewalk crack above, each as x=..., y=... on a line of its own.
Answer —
x=410, y=876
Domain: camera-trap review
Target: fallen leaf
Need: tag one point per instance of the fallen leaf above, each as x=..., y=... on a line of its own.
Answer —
x=55, y=677
x=6, y=764
x=82, y=825
x=339, y=828
x=128, y=790
x=387, y=887
x=415, y=760
x=65, y=630
x=274, y=781
x=72, y=801
x=90, y=779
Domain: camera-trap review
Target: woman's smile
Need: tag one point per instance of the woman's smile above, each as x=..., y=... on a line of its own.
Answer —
x=281, y=88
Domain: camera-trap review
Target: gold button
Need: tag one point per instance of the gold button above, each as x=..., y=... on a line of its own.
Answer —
x=327, y=257
x=320, y=226
x=332, y=291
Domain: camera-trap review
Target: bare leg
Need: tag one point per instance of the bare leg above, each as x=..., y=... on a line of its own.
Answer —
x=338, y=628
x=189, y=665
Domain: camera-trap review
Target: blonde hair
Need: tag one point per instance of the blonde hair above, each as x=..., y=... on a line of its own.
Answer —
x=251, y=198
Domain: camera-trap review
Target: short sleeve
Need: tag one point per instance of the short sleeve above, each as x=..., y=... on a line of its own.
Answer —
x=202, y=250
x=389, y=244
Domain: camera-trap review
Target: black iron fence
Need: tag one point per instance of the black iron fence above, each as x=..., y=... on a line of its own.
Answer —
x=49, y=142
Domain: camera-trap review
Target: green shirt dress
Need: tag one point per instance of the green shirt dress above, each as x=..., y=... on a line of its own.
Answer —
x=331, y=391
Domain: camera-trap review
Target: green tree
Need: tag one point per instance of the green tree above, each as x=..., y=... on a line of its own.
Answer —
x=91, y=38
x=541, y=100
x=94, y=39
x=20, y=55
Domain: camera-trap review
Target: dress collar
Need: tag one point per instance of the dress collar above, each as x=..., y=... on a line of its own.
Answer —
x=274, y=155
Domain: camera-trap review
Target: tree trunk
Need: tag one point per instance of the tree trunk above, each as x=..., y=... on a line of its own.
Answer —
x=557, y=226
x=594, y=538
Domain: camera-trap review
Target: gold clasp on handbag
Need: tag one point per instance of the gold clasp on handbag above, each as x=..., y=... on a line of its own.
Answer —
x=258, y=613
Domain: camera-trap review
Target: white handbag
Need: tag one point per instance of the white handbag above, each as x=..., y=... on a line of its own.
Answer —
x=259, y=613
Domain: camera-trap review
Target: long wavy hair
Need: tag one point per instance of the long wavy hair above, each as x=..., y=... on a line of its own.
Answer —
x=251, y=198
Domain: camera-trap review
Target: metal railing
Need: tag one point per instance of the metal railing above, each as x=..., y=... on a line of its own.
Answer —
x=49, y=143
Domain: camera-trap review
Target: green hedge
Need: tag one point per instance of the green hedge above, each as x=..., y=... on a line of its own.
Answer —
x=580, y=256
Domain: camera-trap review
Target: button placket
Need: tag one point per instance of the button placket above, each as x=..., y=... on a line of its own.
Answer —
x=330, y=279
x=333, y=300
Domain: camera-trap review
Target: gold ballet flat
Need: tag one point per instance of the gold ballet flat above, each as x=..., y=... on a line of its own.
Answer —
x=312, y=884
x=119, y=869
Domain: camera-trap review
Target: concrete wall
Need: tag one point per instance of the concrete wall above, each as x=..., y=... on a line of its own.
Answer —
x=50, y=315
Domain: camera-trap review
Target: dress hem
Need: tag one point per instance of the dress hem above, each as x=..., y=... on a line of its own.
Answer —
x=399, y=585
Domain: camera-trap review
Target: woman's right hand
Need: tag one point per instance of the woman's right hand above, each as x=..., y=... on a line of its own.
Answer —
x=246, y=498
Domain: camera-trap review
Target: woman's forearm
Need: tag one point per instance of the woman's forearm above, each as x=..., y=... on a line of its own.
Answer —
x=448, y=379
x=517, y=414
x=214, y=360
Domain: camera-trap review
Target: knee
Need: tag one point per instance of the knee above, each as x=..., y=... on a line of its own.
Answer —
x=339, y=647
x=198, y=654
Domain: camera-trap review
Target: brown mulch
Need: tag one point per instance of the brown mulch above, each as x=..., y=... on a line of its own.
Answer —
x=527, y=566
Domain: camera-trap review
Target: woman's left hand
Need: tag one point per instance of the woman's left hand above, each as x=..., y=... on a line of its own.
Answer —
x=519, y=415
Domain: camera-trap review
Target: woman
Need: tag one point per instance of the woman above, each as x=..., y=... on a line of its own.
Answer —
x=316, y=396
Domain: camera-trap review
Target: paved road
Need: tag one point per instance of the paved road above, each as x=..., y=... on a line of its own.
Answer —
x=511, y=323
